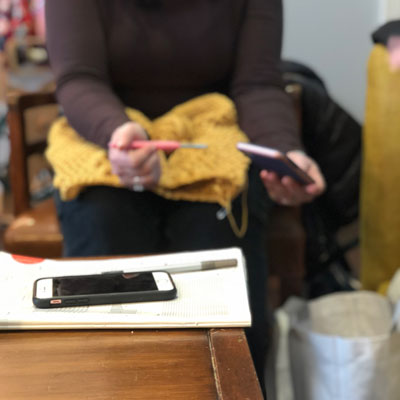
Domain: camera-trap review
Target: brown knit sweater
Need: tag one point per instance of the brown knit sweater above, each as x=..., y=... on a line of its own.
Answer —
x=108, y=54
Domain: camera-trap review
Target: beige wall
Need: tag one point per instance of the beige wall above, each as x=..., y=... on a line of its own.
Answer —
x=392, y=9
x=334, y=39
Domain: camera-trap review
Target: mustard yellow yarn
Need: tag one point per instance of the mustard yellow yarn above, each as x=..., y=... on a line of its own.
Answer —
x=380, y=190
x=215, y=174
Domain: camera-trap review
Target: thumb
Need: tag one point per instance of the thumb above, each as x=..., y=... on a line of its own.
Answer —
x=126, y=133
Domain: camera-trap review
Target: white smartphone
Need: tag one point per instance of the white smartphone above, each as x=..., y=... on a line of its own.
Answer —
x=274, y=160
x=106, y=288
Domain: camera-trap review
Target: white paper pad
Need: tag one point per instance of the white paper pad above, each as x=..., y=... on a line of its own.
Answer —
x=214, y=298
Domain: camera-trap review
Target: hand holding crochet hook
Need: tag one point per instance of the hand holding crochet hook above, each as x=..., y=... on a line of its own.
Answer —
x=137, y=170
x=140, y=169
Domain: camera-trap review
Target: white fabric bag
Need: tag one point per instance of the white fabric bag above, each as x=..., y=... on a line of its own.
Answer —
x=343, y=346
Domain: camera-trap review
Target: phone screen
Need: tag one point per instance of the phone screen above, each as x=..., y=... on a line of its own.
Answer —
x=101, y=284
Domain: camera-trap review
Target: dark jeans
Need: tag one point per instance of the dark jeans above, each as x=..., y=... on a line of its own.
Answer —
x=105, y=221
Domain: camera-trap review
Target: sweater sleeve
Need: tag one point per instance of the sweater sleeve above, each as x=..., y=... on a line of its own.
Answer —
x=78, y=55
x=266, y=113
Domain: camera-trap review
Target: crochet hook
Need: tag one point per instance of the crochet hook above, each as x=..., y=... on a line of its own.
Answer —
x=166, y=145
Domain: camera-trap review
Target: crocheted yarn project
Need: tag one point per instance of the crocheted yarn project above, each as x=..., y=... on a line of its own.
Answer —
x=380, y=192
x=217, y=173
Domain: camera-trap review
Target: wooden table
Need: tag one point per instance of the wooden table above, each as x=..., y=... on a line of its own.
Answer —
x=187, y=364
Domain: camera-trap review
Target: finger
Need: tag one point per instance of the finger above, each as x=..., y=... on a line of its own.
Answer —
x=285, y=191
x=126, y=180
x=119, y=158
x=312, y=168
x=270, y=179
x=149, y=172
x=126, y=133
x=291, y=192
x=272, y=184
x=294, y=201
x=319, y=185
x=296, y=191
x=137, y=184
x=149, y=181
x=140, y=157
x=291, y=186
x=151, y=175
x=115, y=169
x=124, y=162
x=146, y=161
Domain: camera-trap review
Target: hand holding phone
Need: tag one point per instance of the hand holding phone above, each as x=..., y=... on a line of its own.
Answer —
x=106, y=288
x=275, y=161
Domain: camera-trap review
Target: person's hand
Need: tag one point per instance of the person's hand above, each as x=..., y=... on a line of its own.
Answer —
x=137, y=169
x=287, y=191
x=393, y=46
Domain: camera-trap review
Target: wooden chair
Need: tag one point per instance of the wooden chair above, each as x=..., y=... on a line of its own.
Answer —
x=35, y=230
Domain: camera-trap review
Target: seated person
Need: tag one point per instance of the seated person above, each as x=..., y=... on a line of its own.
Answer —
x=151, y=56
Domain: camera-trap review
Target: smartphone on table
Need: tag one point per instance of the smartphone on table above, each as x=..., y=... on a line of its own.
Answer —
x=275, y=161
x=105, y=288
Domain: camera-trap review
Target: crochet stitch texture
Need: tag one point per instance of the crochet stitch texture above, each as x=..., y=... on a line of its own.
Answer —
x=215, y=174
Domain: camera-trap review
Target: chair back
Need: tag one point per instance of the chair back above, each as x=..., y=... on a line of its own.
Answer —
x=35, y=230
x=22, y=146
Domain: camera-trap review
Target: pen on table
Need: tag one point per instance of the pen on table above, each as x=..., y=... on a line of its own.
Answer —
x=166, y=145
x=200, y=266
x=184, y=267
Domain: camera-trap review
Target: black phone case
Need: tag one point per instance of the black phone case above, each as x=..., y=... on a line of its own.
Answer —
x=274, y=160
x=103, y=298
